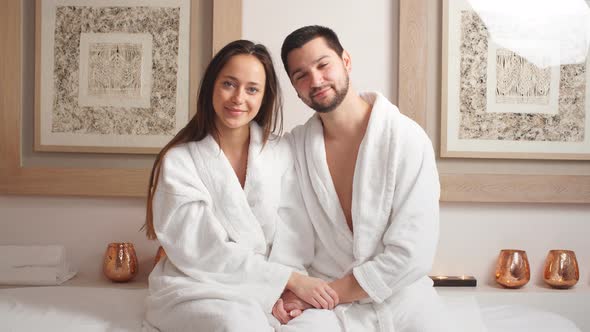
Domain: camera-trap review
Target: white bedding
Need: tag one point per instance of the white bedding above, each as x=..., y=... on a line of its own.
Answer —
x=67, y=308
x=87, y=309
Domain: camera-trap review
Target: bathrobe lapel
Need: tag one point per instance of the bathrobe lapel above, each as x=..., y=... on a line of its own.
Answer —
x=373, y=182
x=321, y=179
x=227, y=194
x=374, y=177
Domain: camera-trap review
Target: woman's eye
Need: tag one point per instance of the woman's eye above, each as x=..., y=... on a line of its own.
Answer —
x=227, y=84
x=252, y=90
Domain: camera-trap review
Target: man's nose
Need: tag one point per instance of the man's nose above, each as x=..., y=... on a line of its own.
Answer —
x=317, y=79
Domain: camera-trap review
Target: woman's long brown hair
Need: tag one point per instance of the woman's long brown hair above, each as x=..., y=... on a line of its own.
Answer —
x=203, y=123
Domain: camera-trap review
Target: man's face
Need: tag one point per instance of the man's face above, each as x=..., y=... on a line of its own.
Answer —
x=319, y=75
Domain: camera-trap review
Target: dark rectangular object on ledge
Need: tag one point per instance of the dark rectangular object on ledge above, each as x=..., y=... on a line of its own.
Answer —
x=454, y=281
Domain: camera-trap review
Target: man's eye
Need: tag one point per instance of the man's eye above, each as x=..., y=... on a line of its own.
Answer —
x=300, y=76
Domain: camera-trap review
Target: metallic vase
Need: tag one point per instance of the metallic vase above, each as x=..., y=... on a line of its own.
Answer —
x=120, y=262
x=512, y=268
x=561, y=269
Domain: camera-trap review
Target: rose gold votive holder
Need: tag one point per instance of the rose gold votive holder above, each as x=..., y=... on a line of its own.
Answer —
x=561, y=269
x=120, y=262
x=512, y=268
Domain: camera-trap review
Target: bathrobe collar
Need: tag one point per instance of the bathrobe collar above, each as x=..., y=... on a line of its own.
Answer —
x=372, y=191
x=227, y=194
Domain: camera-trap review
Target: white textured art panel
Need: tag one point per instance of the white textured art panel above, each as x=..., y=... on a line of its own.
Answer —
x=518, y=85
x=115, y=69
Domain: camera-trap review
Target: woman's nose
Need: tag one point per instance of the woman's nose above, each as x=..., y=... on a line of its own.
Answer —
x=238, y=96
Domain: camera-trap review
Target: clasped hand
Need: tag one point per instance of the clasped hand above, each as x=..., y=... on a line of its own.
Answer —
x=302, y=293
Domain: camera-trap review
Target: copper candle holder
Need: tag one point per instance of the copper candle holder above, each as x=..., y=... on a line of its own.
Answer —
x=512, y=268
x=120, y=262
x=561, y=269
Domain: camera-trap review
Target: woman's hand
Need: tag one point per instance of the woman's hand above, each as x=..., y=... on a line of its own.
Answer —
x=314, y=291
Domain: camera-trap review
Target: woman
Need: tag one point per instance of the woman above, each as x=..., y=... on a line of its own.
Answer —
x=216, y=192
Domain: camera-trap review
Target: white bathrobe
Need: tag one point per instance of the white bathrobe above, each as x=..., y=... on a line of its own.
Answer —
x=395, y=217
x=217, y=237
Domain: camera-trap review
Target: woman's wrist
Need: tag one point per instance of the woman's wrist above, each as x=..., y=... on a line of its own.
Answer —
x=293, y=280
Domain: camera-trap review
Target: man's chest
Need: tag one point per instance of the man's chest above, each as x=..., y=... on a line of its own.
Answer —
x=341, y=161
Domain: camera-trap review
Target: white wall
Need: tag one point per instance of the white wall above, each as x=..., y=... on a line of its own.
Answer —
x=471, y=234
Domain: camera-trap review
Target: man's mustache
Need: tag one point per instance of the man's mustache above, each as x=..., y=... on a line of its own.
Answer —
x=319, y=88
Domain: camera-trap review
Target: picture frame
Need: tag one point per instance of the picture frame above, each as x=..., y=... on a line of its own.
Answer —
x=112, y=75
x=467, y=180
x=509, y=92
x=18, y=178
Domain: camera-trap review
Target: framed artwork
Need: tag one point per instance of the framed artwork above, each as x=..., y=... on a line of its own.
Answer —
x=471, y=179
x=18, y=177
x=516, y=82
x=112, y=75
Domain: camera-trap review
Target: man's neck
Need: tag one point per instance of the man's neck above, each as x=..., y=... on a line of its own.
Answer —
x=349, y=120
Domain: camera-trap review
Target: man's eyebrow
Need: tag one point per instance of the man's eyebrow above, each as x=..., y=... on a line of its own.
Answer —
x=314, y=62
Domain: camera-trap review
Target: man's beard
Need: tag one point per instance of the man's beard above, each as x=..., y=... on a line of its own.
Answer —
x=339, y=96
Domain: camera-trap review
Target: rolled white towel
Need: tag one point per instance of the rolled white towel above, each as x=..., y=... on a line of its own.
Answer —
x=34, y=265
x=35, y=275
x=21, y=256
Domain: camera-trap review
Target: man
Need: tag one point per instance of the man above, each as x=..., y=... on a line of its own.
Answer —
x=369, y=182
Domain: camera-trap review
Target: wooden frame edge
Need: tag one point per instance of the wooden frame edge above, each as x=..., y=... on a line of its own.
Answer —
x=230, y=27
x=16, y=179
x=444, y=84
x=413, y=61
x=513, y=188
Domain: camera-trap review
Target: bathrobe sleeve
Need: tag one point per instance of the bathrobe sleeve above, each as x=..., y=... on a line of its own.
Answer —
x=197, y=244
x=412, y=234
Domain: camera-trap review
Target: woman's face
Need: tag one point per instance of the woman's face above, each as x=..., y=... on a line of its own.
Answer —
x=238, y=92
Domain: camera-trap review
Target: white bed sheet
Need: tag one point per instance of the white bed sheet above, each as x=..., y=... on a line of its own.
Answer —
x=88, y=309
x=517, y=318
x=66, y=308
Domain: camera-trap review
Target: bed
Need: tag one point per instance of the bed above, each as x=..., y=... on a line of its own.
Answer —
x=117, y=308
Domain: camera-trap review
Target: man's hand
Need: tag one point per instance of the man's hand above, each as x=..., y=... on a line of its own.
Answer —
x=288, y=307
x=293, y=304
x=279, y=312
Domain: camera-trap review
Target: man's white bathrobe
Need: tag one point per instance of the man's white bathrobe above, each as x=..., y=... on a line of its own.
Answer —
x=217, y=237
x=395, y=217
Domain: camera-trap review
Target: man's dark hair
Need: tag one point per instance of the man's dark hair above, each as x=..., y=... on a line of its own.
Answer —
x=301, y=36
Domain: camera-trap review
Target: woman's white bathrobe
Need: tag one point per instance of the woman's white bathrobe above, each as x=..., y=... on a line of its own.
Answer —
x=217, y=237
x=395, y=217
